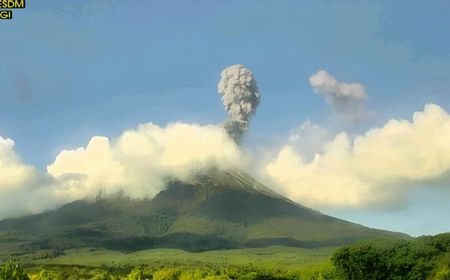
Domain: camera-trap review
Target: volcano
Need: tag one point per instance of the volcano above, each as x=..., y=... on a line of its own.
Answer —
x=216, y=210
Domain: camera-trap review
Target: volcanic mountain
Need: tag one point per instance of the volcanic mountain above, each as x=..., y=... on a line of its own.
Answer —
x=219, y=210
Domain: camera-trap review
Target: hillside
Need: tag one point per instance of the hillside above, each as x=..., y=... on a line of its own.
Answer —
x=219, y=210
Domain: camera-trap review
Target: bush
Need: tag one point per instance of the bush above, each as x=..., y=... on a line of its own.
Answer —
x=139, y=273
x=102, y=275
x=167, y=274
x=11, y=270
x=442, y=270
x=44, y=274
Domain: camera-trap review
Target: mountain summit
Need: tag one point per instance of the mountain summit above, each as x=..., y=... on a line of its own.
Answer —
x=216, y=210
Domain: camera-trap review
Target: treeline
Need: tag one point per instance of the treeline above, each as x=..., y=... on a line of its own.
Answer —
x=426, y=257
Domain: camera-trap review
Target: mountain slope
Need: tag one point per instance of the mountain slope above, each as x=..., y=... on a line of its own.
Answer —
x=222, y=209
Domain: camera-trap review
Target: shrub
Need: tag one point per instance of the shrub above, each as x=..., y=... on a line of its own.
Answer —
x=442, y=270
x=393, y=259
x=44, y=274
x=139, y=273
x=102, y=275
x=11, y=270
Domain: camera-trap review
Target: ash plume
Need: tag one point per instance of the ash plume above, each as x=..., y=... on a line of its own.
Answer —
x=348, y=100
x=240, y=97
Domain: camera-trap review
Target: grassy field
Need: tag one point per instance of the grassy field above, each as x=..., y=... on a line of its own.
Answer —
x=271, y=257
x=274, y=262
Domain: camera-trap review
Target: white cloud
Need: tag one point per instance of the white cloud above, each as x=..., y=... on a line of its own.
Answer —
x=13, y=173
x=85, y=171
x=308, y=139
x=347, y=99
x=371, y=169
x=139, y=160
x=22, y=187
x=312, y=168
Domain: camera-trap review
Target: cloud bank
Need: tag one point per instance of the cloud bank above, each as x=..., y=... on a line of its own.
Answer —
x=348, y=100
x=138, y=162
x=376, y=168
x=314, y=167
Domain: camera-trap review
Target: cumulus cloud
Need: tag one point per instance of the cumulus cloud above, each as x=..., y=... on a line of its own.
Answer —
x=308, y=139
x=23, y=189
x=376, y=168
x=347, y=99
x=139, y=161
x=13, y=173
x=240, y=97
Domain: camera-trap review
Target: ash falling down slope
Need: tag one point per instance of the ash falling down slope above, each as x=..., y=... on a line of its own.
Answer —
x=214, y=210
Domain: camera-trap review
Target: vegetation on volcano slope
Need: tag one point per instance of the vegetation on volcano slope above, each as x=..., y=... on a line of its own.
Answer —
x=220, y=210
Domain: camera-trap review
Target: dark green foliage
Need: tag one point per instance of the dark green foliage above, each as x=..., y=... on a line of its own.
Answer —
x=266, y=275
x=394, y=259
x=186, y=241
x=11, y=270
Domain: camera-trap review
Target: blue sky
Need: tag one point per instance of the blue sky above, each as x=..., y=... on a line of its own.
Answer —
x=74, y=69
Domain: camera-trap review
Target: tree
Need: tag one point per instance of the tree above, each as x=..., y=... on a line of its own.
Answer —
x=415, y=259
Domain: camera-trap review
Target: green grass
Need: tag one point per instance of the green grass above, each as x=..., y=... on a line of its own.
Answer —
x=271, y=257
x=257, y=263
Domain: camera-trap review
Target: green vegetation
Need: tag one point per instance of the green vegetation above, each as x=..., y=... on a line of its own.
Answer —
x=442, y=269
x=426, y=257
x=177, y=273
x=183, y=232
x=285, y=258
x=219, y=210
x=423, y=258
x=12, y=271
x=254, y=263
